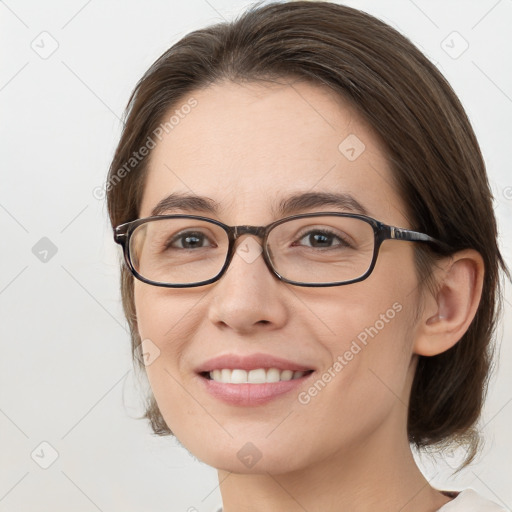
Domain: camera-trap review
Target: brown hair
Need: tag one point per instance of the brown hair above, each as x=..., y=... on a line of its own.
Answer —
x=431, y=148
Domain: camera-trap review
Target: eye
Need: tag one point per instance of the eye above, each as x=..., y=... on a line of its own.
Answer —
x=189, y=240
x=322, y=238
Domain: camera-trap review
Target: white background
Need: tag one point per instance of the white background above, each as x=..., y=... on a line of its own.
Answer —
x=65, y=370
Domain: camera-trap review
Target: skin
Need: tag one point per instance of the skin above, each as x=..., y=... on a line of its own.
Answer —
x=247, y=147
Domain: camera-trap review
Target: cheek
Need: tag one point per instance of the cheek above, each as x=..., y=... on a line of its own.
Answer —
x=369, y=342
x=165, y=316
x=366, y=381
x=167, y=321
x=371, y=320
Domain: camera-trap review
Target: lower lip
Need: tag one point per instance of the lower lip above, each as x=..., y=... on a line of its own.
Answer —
x=250, y=395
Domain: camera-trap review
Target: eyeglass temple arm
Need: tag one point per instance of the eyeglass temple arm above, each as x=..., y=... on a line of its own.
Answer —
x=394, y=233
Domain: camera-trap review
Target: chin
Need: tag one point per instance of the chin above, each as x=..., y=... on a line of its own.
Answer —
x=246, y=454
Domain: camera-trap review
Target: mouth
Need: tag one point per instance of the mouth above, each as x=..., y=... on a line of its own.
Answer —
x=256, y=376
x=251, y=380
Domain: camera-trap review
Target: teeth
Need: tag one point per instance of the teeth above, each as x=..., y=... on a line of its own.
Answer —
x=258, y=376
x=238, y=376
x=272, y=375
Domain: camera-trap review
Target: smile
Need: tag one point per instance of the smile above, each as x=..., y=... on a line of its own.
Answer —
x=256, y=376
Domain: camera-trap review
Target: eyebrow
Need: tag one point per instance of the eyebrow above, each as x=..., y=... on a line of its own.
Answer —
x=291, y=205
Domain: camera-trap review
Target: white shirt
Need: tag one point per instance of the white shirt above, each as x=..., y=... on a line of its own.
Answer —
x=467, y=500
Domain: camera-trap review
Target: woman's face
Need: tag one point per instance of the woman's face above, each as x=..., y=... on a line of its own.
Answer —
x=248, y=148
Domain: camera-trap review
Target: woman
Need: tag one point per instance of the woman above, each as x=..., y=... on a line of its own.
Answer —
x=296, y=194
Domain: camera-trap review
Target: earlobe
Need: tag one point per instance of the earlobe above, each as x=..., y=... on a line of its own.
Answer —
x=447, y=315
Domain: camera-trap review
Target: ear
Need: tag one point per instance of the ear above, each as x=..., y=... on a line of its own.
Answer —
x=447, y=315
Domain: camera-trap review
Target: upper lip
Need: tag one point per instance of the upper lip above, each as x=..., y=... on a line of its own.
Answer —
x=249, y=362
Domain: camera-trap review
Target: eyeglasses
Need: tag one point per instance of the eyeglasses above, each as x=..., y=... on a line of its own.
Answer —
x=312, y=249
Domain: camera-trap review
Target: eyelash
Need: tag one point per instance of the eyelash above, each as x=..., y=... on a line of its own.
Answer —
x=327, y=232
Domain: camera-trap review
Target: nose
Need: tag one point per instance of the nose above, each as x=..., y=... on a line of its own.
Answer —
x=248, y=297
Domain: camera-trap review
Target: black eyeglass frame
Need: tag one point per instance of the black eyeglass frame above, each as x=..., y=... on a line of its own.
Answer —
x=123, y=232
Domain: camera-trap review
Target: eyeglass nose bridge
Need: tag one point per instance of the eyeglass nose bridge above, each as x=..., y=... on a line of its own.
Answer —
x=238, y=231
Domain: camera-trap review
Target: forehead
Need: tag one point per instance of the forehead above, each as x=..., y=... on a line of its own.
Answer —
x=248, y=146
